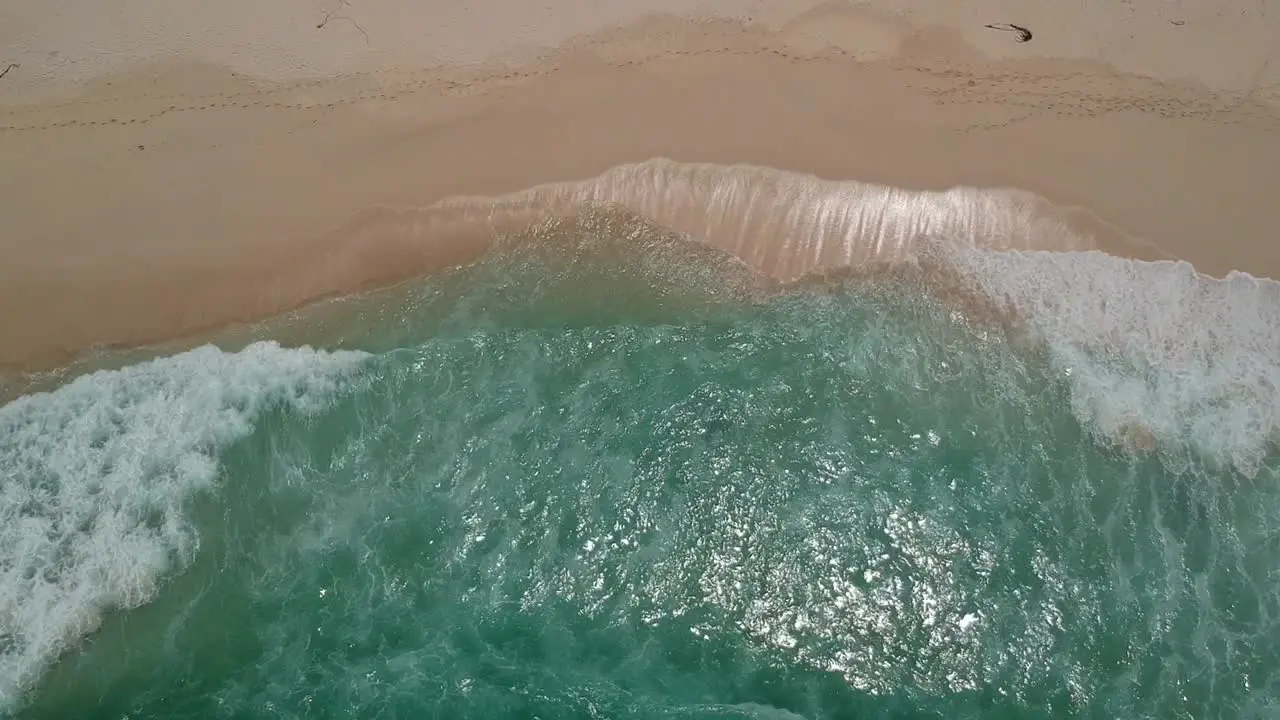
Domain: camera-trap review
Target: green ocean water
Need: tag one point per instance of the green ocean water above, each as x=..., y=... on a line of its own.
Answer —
x=612, y=478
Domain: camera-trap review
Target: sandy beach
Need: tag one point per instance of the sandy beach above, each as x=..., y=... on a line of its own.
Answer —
x=167, y=170
x=724, y=359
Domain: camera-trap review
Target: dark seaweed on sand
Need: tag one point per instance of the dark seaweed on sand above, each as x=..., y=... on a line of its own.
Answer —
x=1024, y=35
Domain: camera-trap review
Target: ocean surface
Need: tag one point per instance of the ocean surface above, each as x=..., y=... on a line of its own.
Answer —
x=609, y=473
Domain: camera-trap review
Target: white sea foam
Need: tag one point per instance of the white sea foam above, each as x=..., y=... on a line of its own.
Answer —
x=1191, y=359
x=1158, y=354
x=96, y=475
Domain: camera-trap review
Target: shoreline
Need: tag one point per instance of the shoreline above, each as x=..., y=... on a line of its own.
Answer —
x=143, y=215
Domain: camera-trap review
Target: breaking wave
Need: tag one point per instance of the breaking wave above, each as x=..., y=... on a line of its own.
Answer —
x=1156, y=350
x=784, y=224
x=98, y=474
x=98, y=477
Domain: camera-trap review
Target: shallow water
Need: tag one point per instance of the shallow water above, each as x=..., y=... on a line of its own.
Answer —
x=619, y=476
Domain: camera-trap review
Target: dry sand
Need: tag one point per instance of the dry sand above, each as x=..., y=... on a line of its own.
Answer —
x=166, y=168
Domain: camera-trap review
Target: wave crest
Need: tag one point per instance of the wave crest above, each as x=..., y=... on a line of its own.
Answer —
x=786, y=225
x=1159, y=355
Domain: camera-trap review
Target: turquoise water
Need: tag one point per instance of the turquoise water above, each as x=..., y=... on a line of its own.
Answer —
x=621, y=479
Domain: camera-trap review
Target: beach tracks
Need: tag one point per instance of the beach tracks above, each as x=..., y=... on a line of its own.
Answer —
x=1078, y=93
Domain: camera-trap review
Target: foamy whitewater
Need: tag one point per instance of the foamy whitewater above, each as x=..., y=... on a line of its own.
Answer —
x=1193, y=359
x=98, y=477
x=602, y=472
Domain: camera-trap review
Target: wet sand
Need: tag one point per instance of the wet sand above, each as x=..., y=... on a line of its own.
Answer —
x=167, y=190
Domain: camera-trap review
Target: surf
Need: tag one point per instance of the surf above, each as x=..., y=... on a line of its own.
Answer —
x=99, y=475
x=924, y=365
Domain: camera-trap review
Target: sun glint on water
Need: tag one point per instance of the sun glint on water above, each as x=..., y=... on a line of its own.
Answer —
x=613, y=474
